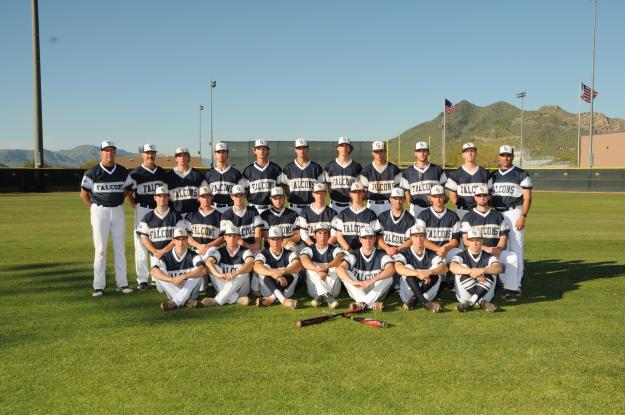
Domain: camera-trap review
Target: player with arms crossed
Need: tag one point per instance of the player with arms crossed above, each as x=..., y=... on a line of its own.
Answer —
x=318, y=213
x=184, y=183
x=378, y=178
x=340, y=174
x=299, y=177
x=462, y=182
x=260, y=177
x=222, y=178
x=102, y=190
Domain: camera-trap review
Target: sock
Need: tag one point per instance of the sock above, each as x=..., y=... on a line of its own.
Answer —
x=473, y=299
x=417, y=294
x=277, y=294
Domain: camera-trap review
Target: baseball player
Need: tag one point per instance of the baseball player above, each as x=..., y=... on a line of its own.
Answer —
x=318, y=213
x=102, y=190
x=462, y=181
x=349, y=221
x=495, y=230
x=394, y=224
x=278, y=271
x=418, y=179
x=222, y=177
x=299, y=176
x=367, y=273
x=143, y=181
x=178, y=273
x=476, y=272
x=512, y=195
x=229, y=268
x=421, y=271
x=184, y=182
x=378, y=178
x=320, y=261
x=283, y=217
x=260, y=177
x=340, y=174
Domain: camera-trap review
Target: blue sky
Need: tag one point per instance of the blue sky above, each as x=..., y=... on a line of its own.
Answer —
x=136, y=71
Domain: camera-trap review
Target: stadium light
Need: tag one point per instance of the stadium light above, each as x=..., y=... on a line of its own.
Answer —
x=213, y=85
x=522, y=96
x=200, y=134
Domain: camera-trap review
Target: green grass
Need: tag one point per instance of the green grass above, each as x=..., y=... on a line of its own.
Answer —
x=560, y=350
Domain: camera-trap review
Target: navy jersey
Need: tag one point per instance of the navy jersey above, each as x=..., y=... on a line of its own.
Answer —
x=160, y=228
x=395, y=229
x=507, y=187
x=205, y=227
x=365, y=267
x=492, y=224
x=349, y=223
x=441, y=227
x=463, y=183
x=228, y=261
x=427, y=260
x=184, y=189
x=419, y=182
x=379, y=182
x=300, y=180
x=286, y=220
x=106, y=187
x=174, y=265
x=283, y=260
x=143, y=182
x=483, y=260
x=309, y=218
x=222, y=182
x=340, y=178
x=260, y=180
x=247, y=221
x=321, y=256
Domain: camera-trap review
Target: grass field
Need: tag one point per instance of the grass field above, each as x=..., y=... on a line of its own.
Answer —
x=560, y=350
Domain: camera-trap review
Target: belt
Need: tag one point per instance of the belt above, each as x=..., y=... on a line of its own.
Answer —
x=340, y=204
x=378, y=202
x=221, y=205
x=145, y=206
x=259, y=206
x=105, y=205
x=507, y=208
x=297, y=205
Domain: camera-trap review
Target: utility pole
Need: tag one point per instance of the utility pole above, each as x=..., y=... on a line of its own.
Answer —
x=522, y=96
x=38, y=156
x=213, y=85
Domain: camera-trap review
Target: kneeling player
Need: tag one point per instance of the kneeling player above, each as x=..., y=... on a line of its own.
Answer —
x=367, y=273
x=421, y=271
x=476, y=272
x=320, y=261
x=229, y=269
x=277, y=270
x=178, y=273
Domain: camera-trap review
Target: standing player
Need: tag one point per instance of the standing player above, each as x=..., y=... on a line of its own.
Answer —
x=278, y=272
x=102, y=190
x=283, y=217
x=462, y=181
x=421, y=271
x=476, y=272
x=367, y=273
x=349, y=221
x=222, y=177
x=318, y=213
x=418, y=179
x=184, y=183
x=395, y=224
x=320, y=261
x=512, y=195
x=378, y=178
x=178, y=274
x=229, y=268
x=299, y=177
x=143, y=182
x=340, y=174
x=260, y=177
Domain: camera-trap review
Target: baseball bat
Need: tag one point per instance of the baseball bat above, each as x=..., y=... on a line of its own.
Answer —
x=321, y=319
x=368, y=321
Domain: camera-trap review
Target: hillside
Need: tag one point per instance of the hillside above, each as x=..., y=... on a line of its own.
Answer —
x=62, y=158
x=549, y=133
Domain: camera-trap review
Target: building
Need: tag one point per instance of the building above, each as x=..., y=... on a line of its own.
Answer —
x=608, y=149
x=162, y=160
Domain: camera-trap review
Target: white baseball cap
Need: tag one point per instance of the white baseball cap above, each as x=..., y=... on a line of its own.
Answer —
x=148, y=147
x=301, y=142
x=232, y=230
x=320, y=187
x=261, y=143
x=162, y=190
x=321, y=227
x=274, y=232
x=221, y=146
x=344, y=140
x=356, y=186
x=377, y=145
x=467, y=146
x=421, y=145
x=366, y=231
x=474, y=232
x=107, y=143
x=417, y=228
x=397, y=192
x=182, y=150
x=178, y=232
x=237, y=189
x=506, y=149
x=480, y=189
x=277, y=191
x=205, y=190
x=437, y=189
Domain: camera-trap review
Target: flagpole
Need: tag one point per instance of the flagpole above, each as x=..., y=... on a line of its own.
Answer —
x=579, y=130
x=399, y=149
x=592, y=88
x=444, y=134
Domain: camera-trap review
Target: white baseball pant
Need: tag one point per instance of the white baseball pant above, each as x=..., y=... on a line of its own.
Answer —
x=316, y=286
x=416, y=209
x=267, y=292
x=228, y=292
x=405, y=292
x=371, y=294
x=105, y=220
x=379, y=207
x=510, y=275
x=463, y=295
x=516, y=240
x=141, y=252
x=189, y=290
x=338, y=208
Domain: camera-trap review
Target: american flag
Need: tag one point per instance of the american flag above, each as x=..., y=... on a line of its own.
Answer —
x=449, y=107
x=586, y=93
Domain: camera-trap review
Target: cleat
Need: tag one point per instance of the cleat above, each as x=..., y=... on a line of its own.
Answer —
x=97, y=293
x=191, y=304
x=332, y=302
x=244, y=300
x=407, y=307
x=378, y=306
x=433, y=307
x=290, y=303
x=257, y=294
x=168, y=305
x=124, y=290
x=488, y=307
x=209, y=302
x=358, y=306
x=465, y=306
x=317, y=301
x=142, y=286
x=264, y=301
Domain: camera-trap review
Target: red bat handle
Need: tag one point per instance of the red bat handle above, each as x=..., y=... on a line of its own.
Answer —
x=370, y=322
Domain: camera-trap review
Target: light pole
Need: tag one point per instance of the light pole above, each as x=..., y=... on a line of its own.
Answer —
x=39, y=160
x=199, y=152
x=592, y=87
x=522, y=96
x=213, y=85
